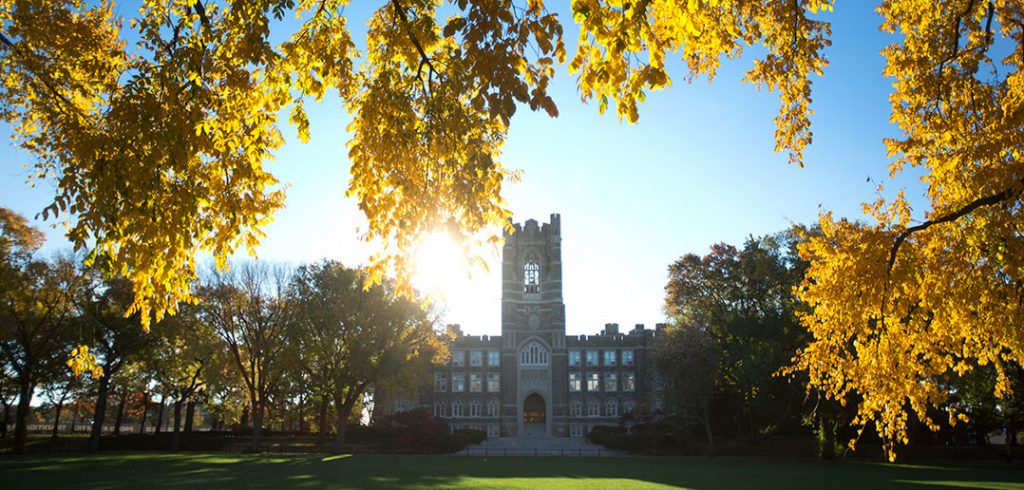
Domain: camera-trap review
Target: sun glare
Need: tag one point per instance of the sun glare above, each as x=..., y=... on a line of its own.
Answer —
x=442, y=268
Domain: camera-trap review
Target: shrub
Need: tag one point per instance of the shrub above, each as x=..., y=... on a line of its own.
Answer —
x=597, y=433
x=626, y=442
x=475, y=436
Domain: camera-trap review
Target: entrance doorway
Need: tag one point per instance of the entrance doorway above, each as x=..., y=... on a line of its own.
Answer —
x=534, y=415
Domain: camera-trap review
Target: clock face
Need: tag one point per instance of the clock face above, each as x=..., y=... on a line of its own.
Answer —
x=534, y=321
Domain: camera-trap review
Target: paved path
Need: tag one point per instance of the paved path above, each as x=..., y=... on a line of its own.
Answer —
x=537, y=446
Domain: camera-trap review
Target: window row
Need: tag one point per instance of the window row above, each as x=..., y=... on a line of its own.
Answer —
x=471, y=409
x=611, y=382
x=611, y=408
x=493, y=430
x=476, y=358
x=611, y=357
x=476, y=382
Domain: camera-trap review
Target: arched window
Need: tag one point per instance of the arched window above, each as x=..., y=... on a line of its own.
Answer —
x=456, y=408
x=492, y=408
x=533, y=354
x=531, y=275
x=474, y=408
x=440, y=409
x=611, y=408
x=575, y=408
x=593, y=408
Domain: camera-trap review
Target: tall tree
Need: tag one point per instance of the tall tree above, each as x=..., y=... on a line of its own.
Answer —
x=181, y=361
x=688, y=360
x=742, y=301
x=35, y=310
x=249, y=309
x=117, y=339
x=355, y=337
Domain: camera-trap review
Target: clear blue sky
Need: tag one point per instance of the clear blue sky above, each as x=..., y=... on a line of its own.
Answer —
x=698, y=168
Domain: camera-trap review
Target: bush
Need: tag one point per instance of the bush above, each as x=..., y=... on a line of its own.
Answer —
x=597, y=433
x=626, y=442
x=475, y=436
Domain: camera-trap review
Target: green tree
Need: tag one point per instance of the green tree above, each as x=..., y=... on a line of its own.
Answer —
x=249, y=310
x=689, y=362
x=117, y=339
x=743, y=301
x=36, y=311
x=356, y=338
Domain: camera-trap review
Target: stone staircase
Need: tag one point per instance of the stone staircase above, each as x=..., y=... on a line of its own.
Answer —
x=537, y=445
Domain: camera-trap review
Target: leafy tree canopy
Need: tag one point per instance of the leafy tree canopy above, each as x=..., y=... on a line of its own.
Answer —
x=158, y=145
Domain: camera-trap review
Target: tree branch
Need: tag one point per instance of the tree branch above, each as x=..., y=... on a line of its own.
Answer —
x=996, y=198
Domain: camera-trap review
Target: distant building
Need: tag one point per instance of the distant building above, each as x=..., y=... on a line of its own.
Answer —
x=533, y=379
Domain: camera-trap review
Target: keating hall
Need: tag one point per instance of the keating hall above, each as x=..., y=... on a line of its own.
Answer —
x=534, y=379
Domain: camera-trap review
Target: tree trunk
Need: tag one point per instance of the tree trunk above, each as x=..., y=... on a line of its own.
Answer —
x=322, y=419
x=707, y=429
x=302, y=415
x=257, y=425
x=344, y=410
x=7, y=418
x=74, y=417
x=56, y=417
x=159, y=417
x=145, y=409
x=176, y=437
x=21, y=417
x=244, y=422
x=119, y=418
x=190, y=415
x=99, y=414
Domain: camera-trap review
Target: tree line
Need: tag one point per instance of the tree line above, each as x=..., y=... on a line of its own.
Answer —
x=737, y=326
x=262, y=343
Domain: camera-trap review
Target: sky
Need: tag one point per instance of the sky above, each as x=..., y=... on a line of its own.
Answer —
x=697, y=169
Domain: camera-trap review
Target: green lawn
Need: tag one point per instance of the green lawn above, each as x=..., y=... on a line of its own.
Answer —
x=226, y=471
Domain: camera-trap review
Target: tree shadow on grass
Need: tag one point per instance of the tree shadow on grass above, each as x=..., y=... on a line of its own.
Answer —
x=162, y=470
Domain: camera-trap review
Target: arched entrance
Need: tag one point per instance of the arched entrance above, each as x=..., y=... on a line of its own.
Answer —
x=534, y=415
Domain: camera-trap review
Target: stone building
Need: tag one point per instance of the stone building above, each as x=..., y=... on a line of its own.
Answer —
x=533, y=378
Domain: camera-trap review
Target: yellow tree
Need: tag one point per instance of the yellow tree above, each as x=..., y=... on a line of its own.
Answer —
x=899, y=306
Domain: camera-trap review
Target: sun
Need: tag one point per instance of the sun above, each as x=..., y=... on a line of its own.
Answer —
x=441, y=266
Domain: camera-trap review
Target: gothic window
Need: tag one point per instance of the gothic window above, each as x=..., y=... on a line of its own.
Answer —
x=611, y=382
x=492, y=408
x=531, y=276
x=628, y=382
x=533, y=354
x=474, y=408
x=457, y=408
x=575, y=408
x=593, y=408
x=611, y=408
x=575, y=382
x=440, y=409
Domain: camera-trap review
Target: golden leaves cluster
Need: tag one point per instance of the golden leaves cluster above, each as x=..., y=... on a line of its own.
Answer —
x=899, y=308
x=623, y=46
x=432, y=112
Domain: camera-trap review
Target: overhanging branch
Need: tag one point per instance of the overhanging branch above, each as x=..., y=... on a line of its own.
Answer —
x=996, y=198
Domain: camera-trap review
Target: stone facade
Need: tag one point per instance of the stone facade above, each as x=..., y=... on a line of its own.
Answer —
x=533, y=379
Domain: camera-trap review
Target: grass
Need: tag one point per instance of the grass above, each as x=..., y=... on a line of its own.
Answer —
x=184, y=470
